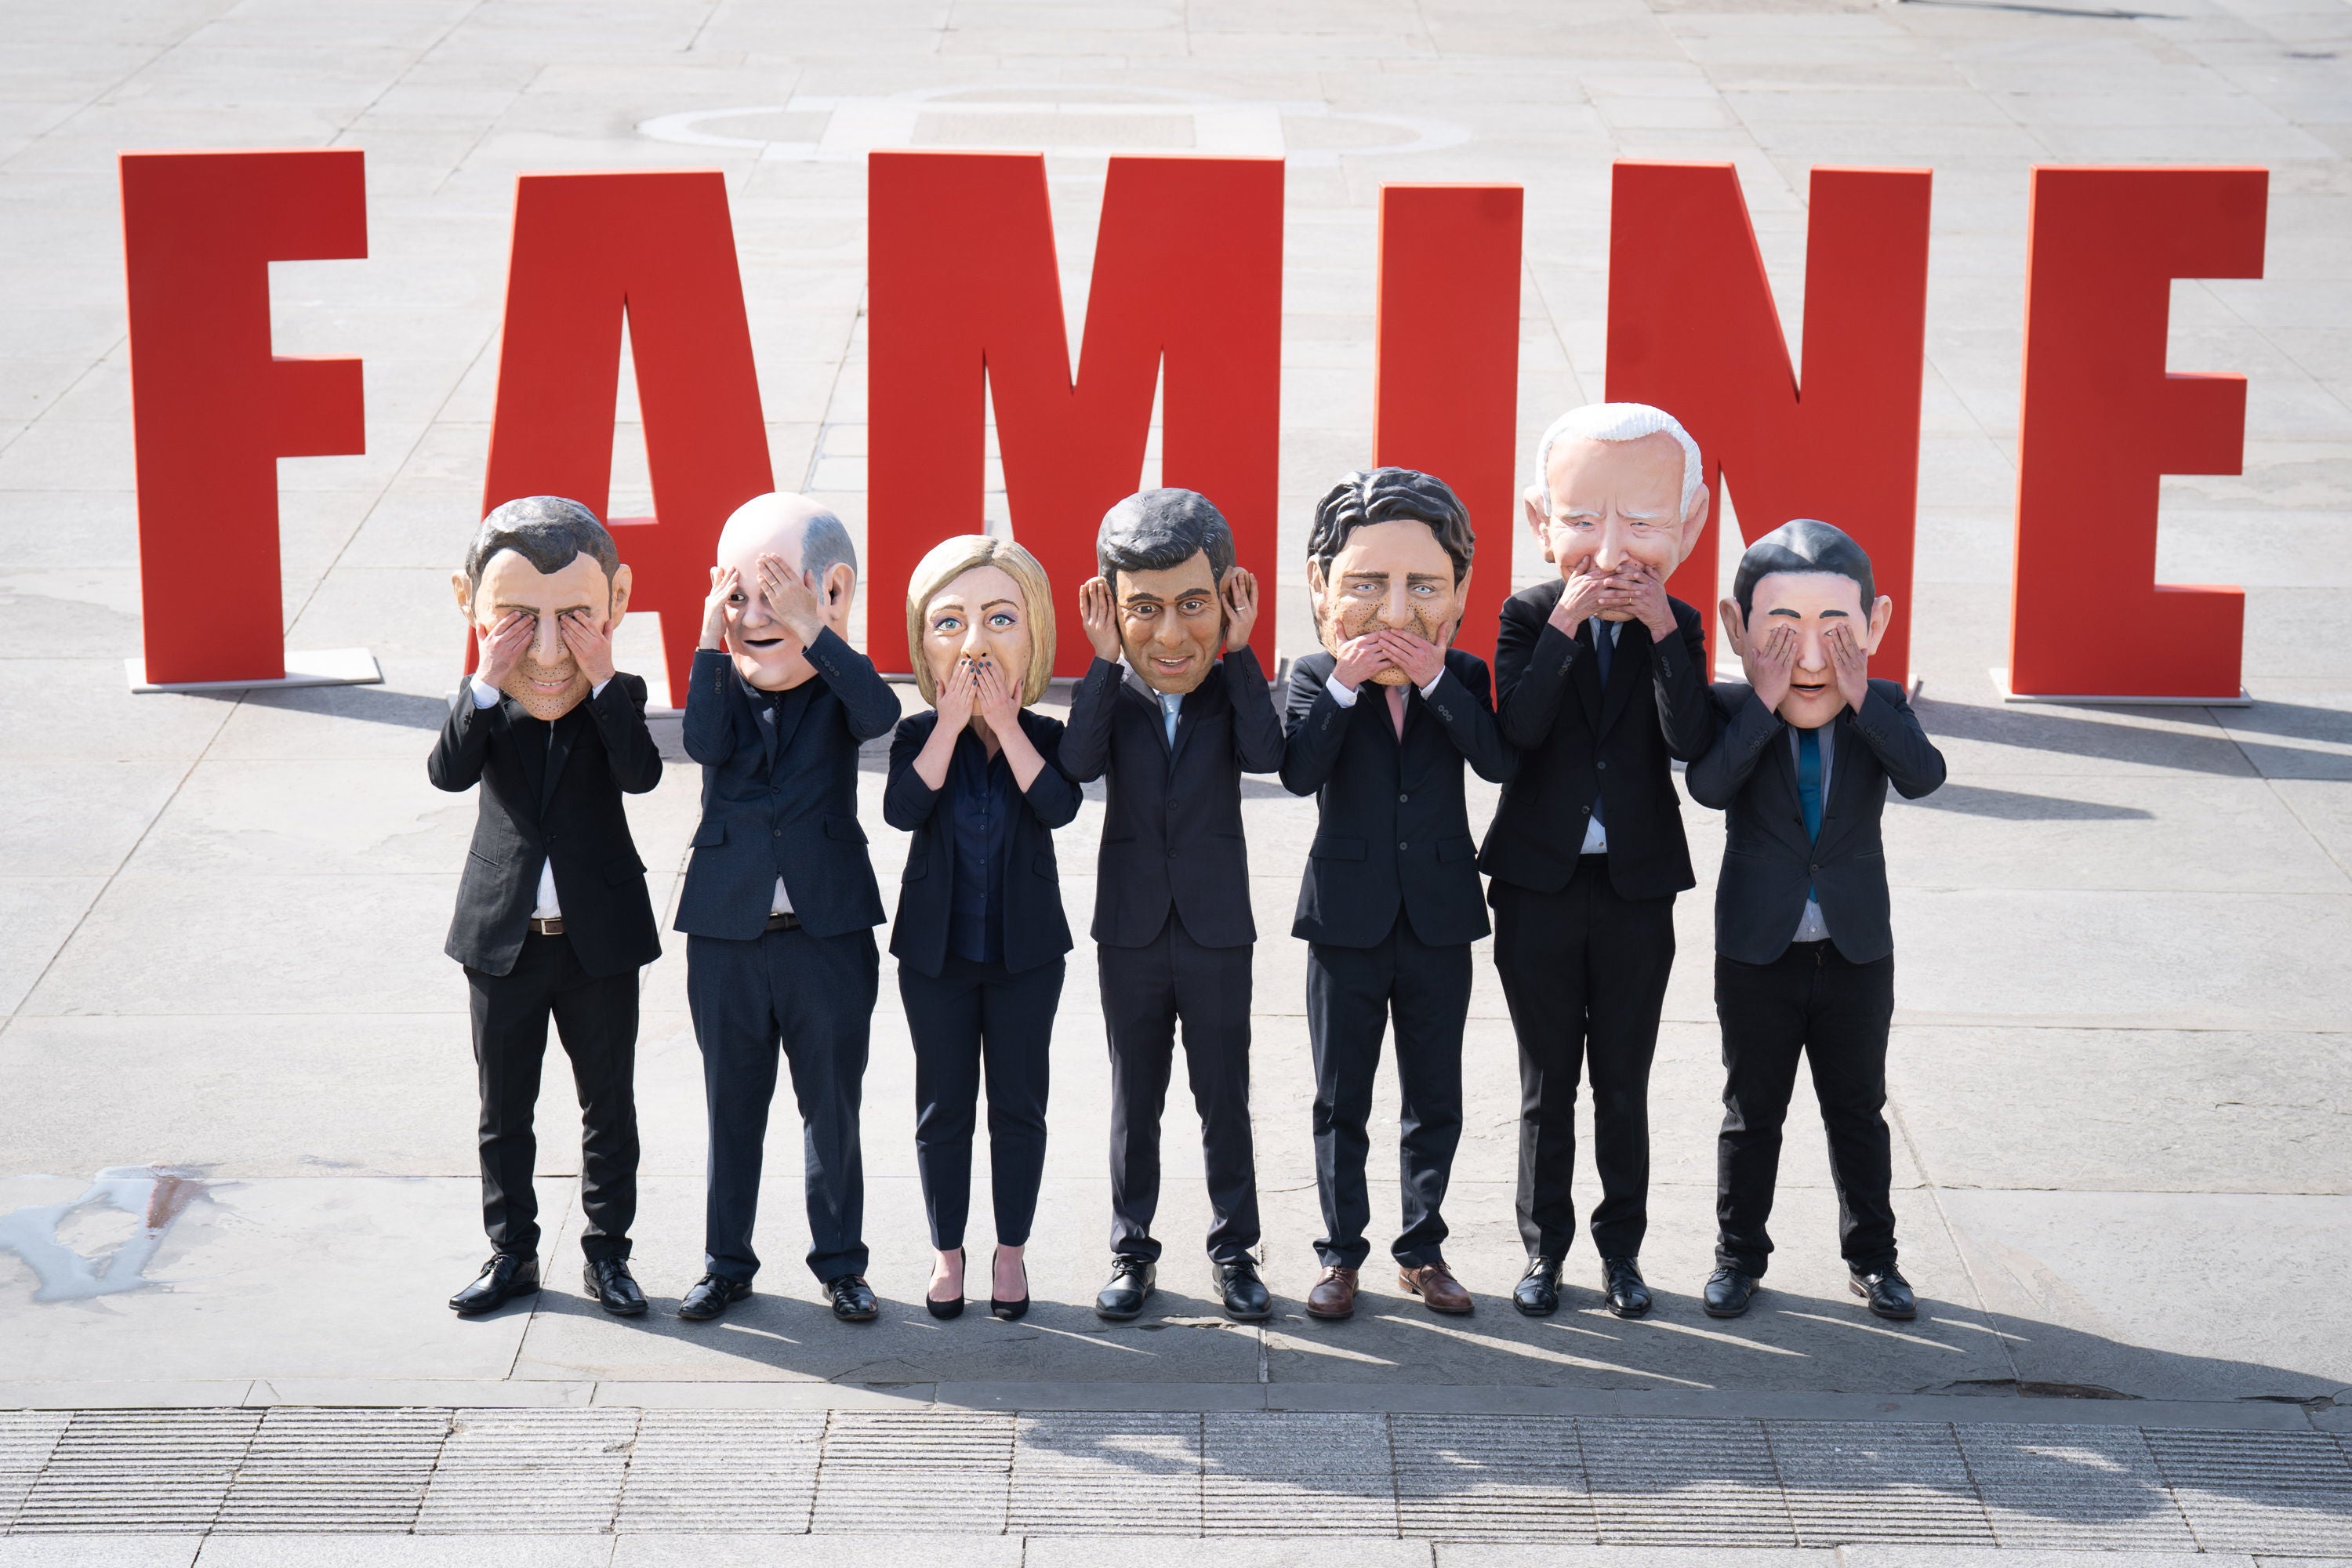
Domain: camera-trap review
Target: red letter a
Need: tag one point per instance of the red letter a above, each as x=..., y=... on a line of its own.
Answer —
x=659, y=245
x=1188, y=274
x=2102, y=421
x=1692, y=330
x=212, y=411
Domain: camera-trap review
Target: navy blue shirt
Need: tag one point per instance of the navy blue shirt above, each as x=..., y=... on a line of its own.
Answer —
x=981, y=802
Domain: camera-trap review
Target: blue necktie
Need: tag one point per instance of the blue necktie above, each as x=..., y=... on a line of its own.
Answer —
x=1809, y=779
x=1168, y=711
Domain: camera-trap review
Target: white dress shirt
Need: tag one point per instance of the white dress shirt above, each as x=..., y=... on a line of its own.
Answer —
x=547, y=909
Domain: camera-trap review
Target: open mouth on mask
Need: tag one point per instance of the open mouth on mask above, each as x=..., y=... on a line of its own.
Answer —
x=763, y=642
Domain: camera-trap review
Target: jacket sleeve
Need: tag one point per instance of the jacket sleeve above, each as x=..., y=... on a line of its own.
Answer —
x=1687, y=715
x=1314, y=727
x=1085, y=744
x=1461, y=703
x=1891, y=730
x=1051, y=795
x=1258, y=728
x=865, y=697
x=1531, y=675
x=619, y=715
x=464, y=748
x=906, y=800
x=709, y=730
x=1717, y=776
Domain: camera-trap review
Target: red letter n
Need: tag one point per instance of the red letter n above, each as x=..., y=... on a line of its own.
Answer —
x=962, y=283
x=1692, y=330
x=2102, y=421
x=212, y=411
x=658, y=246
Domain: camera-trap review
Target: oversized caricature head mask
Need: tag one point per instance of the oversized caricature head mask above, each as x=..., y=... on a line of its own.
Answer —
x=1812, y=579
x=1617, y=483
x=1388, y=550
x=544, y=557
x=809, y=539
x=979, y=599
x=1165, y=554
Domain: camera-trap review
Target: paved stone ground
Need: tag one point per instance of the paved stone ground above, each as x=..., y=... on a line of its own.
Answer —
x=2120, y=1077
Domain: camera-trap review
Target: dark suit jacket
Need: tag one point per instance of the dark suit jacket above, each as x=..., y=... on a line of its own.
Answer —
x=1035, y=928
x=782, y=805
x=1394, y=829
x=558, y=802
x=1767, y=860
x=1577, y=743
x=1172, y=833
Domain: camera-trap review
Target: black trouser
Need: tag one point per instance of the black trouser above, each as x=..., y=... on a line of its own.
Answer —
x=811, y=999
x=1352, y=993
x=1146, y=991
x=1585, y=973
x=597, y=1018
x=971, y=1015
x=1809, y=1000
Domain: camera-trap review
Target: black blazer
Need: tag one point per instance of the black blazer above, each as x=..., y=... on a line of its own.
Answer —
x=781, y=800
x=1394, y=829
x=1035, y=928
x=1767, y=860
x=1577, y=743
x=556, y=801
x=1172, y=833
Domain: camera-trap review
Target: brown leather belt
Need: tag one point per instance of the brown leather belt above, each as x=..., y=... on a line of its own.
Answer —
x=553, y=926
x=785, y=923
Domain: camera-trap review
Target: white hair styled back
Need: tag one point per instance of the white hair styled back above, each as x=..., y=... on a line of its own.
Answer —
x=1619, y=422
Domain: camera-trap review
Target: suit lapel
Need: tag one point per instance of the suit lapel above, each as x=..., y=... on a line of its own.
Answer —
x=1836, y=817
x=789, y=714
x=563, y=733
x=1159, y=715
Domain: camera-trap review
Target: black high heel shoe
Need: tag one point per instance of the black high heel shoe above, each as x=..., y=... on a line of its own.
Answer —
x=952, y=1307
x=998, y=1307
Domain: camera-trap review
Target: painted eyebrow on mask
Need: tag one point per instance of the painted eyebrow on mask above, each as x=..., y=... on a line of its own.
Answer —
x=1784, y=610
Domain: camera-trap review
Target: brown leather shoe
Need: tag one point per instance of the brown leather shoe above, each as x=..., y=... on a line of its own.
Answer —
x=1437, y=1287
x=1334, y=1296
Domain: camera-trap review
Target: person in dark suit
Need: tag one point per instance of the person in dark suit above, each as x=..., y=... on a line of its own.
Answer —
x=1377, y=728
x=1175, y=730
x=1602, y=680
x=552, y=918
x=980, y=934
x=780, y=903
x=1804, y=952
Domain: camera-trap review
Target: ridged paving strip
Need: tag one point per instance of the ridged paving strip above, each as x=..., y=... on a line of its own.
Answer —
x=1596, y=1480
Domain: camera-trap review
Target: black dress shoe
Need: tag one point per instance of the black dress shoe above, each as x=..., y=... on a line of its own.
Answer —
x=1620, y=1282
x=853, y=1299
x=502, y=1278
x=1537, y=1292
x=1244, y=1293
x=1131, y=1279
x=608, y=1281
x=1728, y=1291
x=998, y=1307
x=711, y=1295
x=1888, y=1293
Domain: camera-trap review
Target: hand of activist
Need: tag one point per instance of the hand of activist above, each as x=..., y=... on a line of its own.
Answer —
x=792, y=598
x=1768, y=660
x=1850, y=661
x=997, y=701
x=590, y=642
x=1580, y=597
x=1422, y=660
x=500, y=646
x=1638, y=592
x=725, y=583
x=957, y=695
x=1359, y=660
x=1099, y=614
x=1240, y=596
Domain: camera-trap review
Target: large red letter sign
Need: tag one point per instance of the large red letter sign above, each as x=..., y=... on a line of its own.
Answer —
x=961, y=279
x=1692, y=330
x=2101, y=421
x=1448, y=359
x=659, y=246
x=212, y=411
